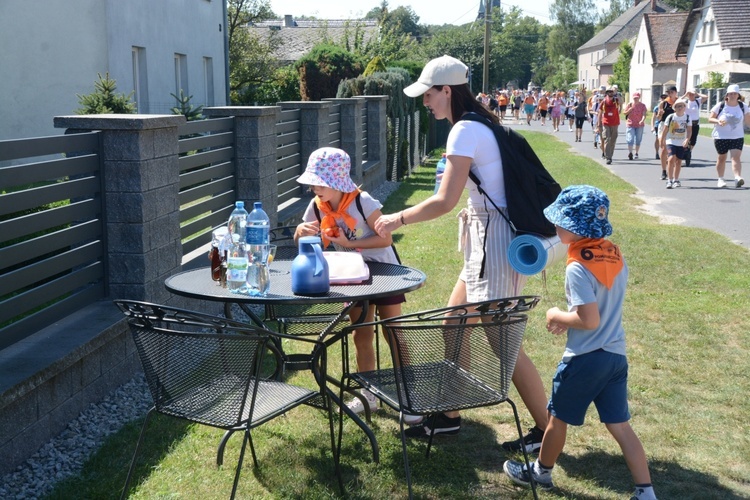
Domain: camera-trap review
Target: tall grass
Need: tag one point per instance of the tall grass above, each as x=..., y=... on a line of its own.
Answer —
x=688, y=334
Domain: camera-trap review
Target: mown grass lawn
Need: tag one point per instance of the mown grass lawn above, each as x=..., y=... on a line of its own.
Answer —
x=688, y=336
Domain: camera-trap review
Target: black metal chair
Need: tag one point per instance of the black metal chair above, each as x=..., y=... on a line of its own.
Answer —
x=217, y=372
x=449, y=359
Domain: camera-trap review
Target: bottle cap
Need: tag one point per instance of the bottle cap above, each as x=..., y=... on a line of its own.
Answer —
x=239, y=204
x=258, y=204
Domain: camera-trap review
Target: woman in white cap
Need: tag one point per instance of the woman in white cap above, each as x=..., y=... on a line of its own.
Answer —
x=728, y=118
x=472, y=147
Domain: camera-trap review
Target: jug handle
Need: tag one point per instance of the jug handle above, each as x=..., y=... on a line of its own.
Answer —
x=319, y=262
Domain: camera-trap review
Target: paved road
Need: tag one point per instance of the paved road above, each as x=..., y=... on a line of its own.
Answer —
x=698, y=203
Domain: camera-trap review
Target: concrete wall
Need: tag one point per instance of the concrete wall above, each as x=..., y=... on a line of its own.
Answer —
x=53, y=50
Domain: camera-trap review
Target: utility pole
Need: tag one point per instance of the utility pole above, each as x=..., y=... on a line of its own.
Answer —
x=487, y=25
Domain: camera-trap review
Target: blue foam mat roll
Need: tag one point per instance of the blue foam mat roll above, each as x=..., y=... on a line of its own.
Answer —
x=529, y=254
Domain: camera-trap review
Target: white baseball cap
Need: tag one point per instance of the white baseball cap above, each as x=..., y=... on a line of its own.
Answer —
x=445, y=70
x=733, y=88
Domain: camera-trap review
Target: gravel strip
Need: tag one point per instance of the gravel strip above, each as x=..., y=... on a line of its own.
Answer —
x=64, y=455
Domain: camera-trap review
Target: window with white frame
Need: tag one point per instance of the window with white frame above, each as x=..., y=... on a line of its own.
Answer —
x=703, y=33
x=140, y=79
x=208, y=80
x=711, y=31
x=180, y=75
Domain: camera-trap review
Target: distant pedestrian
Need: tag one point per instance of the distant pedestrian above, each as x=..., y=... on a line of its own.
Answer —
x=728, y=118
x=675, y=139
x=529, y=105
x=542, y=106
x=655, y=124
x=694, y=101
x=517, y=103
x=666, y=109
x=580, y=112
x=635, y=115
x=608, y=122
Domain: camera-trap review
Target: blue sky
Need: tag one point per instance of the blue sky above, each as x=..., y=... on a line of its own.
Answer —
x=429, y=11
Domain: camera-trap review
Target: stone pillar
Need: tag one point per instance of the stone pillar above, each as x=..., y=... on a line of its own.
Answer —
x=351, y=132
x=377, y=149
x=141, y=198
x=255, y=154
x=375, y=168
x=313, y=126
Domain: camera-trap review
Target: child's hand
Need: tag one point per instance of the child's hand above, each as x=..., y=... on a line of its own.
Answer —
x=308, y=229
x=553, y=326
x=339, y=238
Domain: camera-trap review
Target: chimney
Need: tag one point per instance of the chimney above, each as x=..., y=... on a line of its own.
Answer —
x=635, y=4
x=288, y=21
x=653, y=5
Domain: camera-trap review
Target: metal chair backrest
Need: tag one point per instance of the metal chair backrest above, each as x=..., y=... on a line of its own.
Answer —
x=198, y=367
x=451, y=363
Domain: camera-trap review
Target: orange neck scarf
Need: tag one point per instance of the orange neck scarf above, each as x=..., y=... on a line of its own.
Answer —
x=600, y=256
x=329, y=216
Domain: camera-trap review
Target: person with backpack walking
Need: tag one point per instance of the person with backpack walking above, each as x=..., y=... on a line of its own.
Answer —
x=694, y=101
x=729, y=118
x=344, y=215
x=594, y=366
x=472, y=148
x=675, y=139
x=665, y=109
x=608, y=121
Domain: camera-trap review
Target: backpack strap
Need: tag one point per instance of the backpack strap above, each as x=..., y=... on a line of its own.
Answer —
x=475, y=117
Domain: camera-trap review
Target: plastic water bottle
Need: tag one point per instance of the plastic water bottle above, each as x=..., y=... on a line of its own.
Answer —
x=439, y=170
x=258, y=236
x=237, y=221
x=237, y=255
x=236, y=264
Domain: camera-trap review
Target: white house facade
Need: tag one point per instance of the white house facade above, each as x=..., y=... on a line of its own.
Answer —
x=641, y=65
x=655, y=66
x=718, y=39
x=53, y=50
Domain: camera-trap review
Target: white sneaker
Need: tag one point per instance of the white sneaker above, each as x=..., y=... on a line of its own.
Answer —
x=413, y=419
x=356, y=406
x=721, y=183
x=676, y=183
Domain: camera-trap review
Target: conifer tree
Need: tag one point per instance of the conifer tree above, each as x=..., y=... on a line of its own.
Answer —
x=185, y=108
x=105, y=100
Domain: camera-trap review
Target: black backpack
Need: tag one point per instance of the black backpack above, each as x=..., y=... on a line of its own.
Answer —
x=529, y=188
x=721, y=108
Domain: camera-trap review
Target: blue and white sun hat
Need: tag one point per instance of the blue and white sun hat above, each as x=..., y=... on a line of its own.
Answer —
x=582, y=210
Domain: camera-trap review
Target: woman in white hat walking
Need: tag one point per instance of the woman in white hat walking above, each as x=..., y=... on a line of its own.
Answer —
x=729, y=118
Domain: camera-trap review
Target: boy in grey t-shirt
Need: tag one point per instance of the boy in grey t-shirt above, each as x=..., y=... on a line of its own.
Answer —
x=594, y=368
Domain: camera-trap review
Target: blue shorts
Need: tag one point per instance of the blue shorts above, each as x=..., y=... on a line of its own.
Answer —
x=598, y=377
x=678, y=151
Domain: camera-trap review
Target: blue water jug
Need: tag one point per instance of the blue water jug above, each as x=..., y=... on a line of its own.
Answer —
x=310, y=268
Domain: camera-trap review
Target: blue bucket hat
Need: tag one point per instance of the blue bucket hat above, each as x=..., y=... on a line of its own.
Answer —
x=581, y=210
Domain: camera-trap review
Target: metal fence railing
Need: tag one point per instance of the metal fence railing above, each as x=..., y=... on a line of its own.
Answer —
x=207, y=179
x=52, y=239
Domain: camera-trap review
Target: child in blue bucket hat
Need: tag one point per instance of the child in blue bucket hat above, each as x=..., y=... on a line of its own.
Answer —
x=593, y=368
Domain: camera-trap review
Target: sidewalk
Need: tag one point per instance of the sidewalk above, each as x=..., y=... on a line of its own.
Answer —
x=698, y=203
